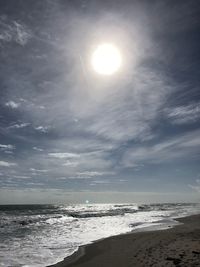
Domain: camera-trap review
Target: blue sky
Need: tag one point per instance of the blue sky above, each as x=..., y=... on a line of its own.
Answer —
x=68, y=134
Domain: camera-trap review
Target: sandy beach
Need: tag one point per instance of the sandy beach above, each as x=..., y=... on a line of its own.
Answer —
x=178, y=246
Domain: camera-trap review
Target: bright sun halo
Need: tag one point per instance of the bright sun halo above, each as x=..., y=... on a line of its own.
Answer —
x=106, y=59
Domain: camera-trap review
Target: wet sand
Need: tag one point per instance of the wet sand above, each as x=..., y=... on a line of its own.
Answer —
x=178, y=246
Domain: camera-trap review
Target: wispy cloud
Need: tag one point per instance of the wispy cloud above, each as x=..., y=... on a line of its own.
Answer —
x=128, y=113
x=6, y=147
x=100, y=182
x=19, y=125
x=196, y=187
x=184, y=114
x=35, y=184
x=12, y=104
x=38, y=170
x=70, y=163
x=73, y=177
x=21, y=177
x=43, y=129
x=22, y=34
x=14, y=31
x=38, y=149
x=7, y=164
x=64, y=155
x=105, y=182
x=179, y=147
x=88, y=174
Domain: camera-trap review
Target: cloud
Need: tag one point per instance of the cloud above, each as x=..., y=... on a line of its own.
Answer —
x=38, y=170
x=85, y=175
x=100, y=108
x=7, y=164
x=70, y=163
x=78, y=177
x=64, y=155
x=6, y=147
x=196, y=187
x=19, y=125
x=184, y=114
x=99, y=182
x=38, y=149
x=12, y=104
x=179, y=147
x=14, y=31
x=34, y=184
x=43, y=129
x=89, y=174
x=22, y=35
x=102, y=182
x=21, y=177
x=91, y=124
x=48, y=166
x=125, y=111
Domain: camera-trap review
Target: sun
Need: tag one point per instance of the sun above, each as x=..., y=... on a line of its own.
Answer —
x=106, y=59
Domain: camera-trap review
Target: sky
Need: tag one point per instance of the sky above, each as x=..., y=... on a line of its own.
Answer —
x=68, y=134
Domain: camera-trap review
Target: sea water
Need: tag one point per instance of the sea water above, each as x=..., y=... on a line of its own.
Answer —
x=40, y=235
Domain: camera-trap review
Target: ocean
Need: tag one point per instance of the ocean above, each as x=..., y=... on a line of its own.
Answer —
x=40, y=235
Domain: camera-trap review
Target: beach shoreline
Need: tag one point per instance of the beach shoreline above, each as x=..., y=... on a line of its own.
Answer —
x=176, y=246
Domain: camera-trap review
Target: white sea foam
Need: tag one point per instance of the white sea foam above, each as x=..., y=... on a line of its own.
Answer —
x=43, y=235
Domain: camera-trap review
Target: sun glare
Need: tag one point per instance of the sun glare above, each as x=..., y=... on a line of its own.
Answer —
x=106, y=59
